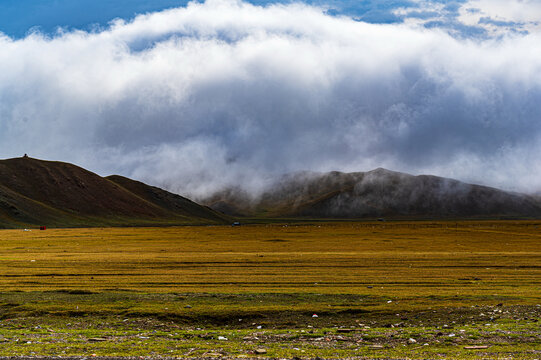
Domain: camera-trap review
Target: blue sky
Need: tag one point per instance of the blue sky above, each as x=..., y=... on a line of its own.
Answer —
x=196, y=97
x=18, y=17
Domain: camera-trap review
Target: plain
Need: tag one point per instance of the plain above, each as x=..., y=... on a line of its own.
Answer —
x=337, y=289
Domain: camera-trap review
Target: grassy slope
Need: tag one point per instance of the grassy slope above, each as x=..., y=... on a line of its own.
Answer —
x=37, y=192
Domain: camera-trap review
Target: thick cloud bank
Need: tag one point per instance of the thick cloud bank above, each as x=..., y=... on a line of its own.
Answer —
x=226, y=92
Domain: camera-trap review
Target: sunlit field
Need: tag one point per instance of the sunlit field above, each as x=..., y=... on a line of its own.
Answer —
x=406, y=279
x=413, y=259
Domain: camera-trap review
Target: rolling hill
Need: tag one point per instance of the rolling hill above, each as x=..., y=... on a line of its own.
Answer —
x=374, y=194
x=37, y=192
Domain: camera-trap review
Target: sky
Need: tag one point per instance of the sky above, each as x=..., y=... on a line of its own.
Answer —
x=197, y=96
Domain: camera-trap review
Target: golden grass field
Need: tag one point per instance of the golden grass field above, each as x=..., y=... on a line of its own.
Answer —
x=60, y=288
x=421, y=258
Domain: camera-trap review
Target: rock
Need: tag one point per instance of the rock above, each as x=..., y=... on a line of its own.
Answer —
x=315, y=316
x=412, y=341
x=188, y=307
x=222, y=338
x=260, y=351
x=344, y=330
x=97, y=339
x=476, y=347
x=375, y=347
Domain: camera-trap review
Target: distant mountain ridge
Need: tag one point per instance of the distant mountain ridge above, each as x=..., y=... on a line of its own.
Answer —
x=373, y=194
x=37, y=192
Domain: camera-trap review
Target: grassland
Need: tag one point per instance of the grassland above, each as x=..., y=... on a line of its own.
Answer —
x=177, y=291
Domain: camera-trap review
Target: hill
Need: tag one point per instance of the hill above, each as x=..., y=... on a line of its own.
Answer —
x=37, y=192
x=374, y=194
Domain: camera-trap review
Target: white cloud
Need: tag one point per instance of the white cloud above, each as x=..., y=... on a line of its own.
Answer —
x=223, y=92
x=502, y=15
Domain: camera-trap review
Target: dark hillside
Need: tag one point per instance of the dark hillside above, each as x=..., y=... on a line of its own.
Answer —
x=34, y=192
x=165, y=200
x=376, y=193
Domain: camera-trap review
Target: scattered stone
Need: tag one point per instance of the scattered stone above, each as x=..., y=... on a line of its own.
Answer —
x=97, y=339
x=222, y=338
x=188, y=307
x=375, y=347
x=476, y=347
x=344, y=330
x=412, y=341
x=260, y=351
